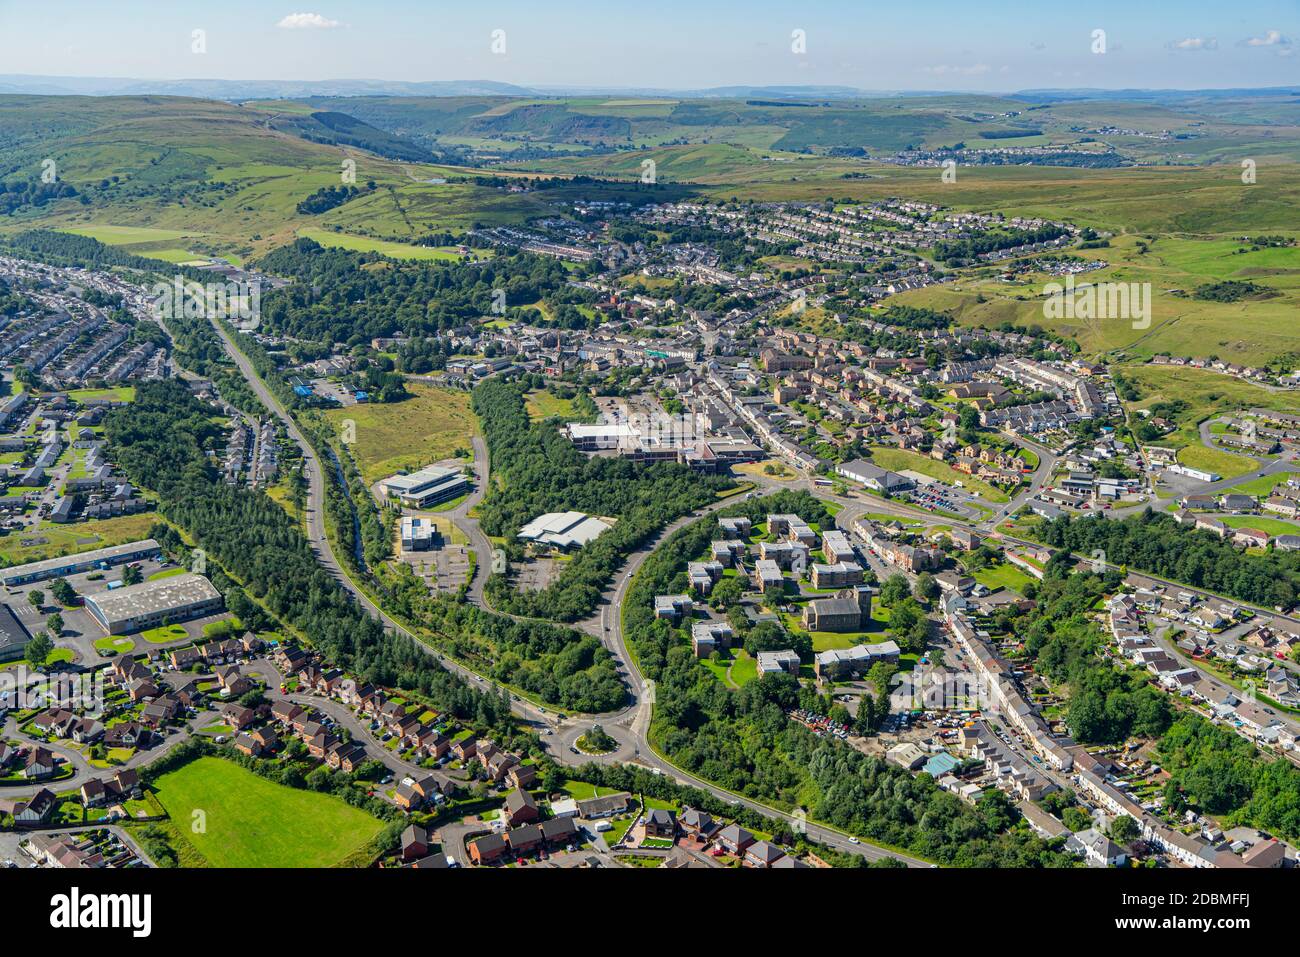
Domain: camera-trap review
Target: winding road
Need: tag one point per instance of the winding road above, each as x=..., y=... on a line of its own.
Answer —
x=629, y=725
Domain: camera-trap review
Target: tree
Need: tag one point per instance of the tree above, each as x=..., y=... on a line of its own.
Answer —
x=131, y=575
x=55, y=624
x=63, y=592
x=39, y=649
x=1124, y=830
x=726, y=593
x=37, y=598
x=926, y=586
x=1075, y=819
x=894, y=589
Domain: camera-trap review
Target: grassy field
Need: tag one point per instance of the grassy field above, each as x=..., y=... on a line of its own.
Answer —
x=1249, y=332
x=1274, y=526
x=897, y=460
x=1003, y=576
x=429, y=426
x=1263, y=486
x=365, y=244
x=542, y=405
x=69, y=539
x=251, y=822
x=1224, y=463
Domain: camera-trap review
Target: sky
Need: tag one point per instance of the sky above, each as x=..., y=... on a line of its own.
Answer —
x=672, y=44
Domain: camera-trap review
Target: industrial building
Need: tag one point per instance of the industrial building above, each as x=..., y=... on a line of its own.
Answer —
x=13, y=636
x=419, y=534
x=102, y=558
x=874, y=477
x=428, y=486
x=563, y=529
x=152, y=603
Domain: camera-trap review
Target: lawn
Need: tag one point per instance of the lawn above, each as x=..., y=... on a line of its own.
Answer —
x=164, y=633
x=1003, y=576
x=117, y=644
x=391, y=436
x=1274, y=526
x=543, y=405
x=252, y=822
x=1263, y=486
x=366, y=244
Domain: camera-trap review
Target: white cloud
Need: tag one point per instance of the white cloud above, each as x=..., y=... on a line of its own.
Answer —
x=1195, y=43
x=307, y=21
x=1272, y=38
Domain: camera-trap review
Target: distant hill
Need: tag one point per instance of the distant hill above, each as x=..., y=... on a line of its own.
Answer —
x=249, y=89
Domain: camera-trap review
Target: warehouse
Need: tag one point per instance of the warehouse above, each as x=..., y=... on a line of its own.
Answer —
x=563, y=529
x=429, y=486
x=874, y=477
x=13, y=636
x=153, y=603
x=102, y=558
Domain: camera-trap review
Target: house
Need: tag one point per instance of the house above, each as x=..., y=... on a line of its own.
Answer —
x=285, y=711
x=129, y=734
x=246, y=744
x=159, y=711
x=416, y=843
x=237, y=716
x=345, y=756
x=1095, y=848
x=464, y=749
x=520, y=807
x=123, y=785
x=593, y=809
x=524, y=839
x=37, y=810
x=522, y=775
x=697, y=824
x=40, y=764
x=660, y=823
x=488, y=848
x=558, y=830
x=735, y=839
x=762, y=854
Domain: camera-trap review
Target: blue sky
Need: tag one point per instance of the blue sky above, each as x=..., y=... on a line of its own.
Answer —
x=935, y=44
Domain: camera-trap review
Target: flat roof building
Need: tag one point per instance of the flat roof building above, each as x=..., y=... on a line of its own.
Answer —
x=82, y=562
x=13, y=636
x=419, y=534
x=563, y=529
x=152, y=603
x=427, y=486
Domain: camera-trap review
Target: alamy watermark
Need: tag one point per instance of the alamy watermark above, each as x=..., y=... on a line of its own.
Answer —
x=25, y=690
x=239, y=302
x=1130, y=301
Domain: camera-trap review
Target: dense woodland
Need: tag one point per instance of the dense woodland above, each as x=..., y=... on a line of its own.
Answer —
x=350, y=297
x=1153, y=542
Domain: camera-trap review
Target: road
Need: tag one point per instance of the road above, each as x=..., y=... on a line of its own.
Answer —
x=637, y=713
